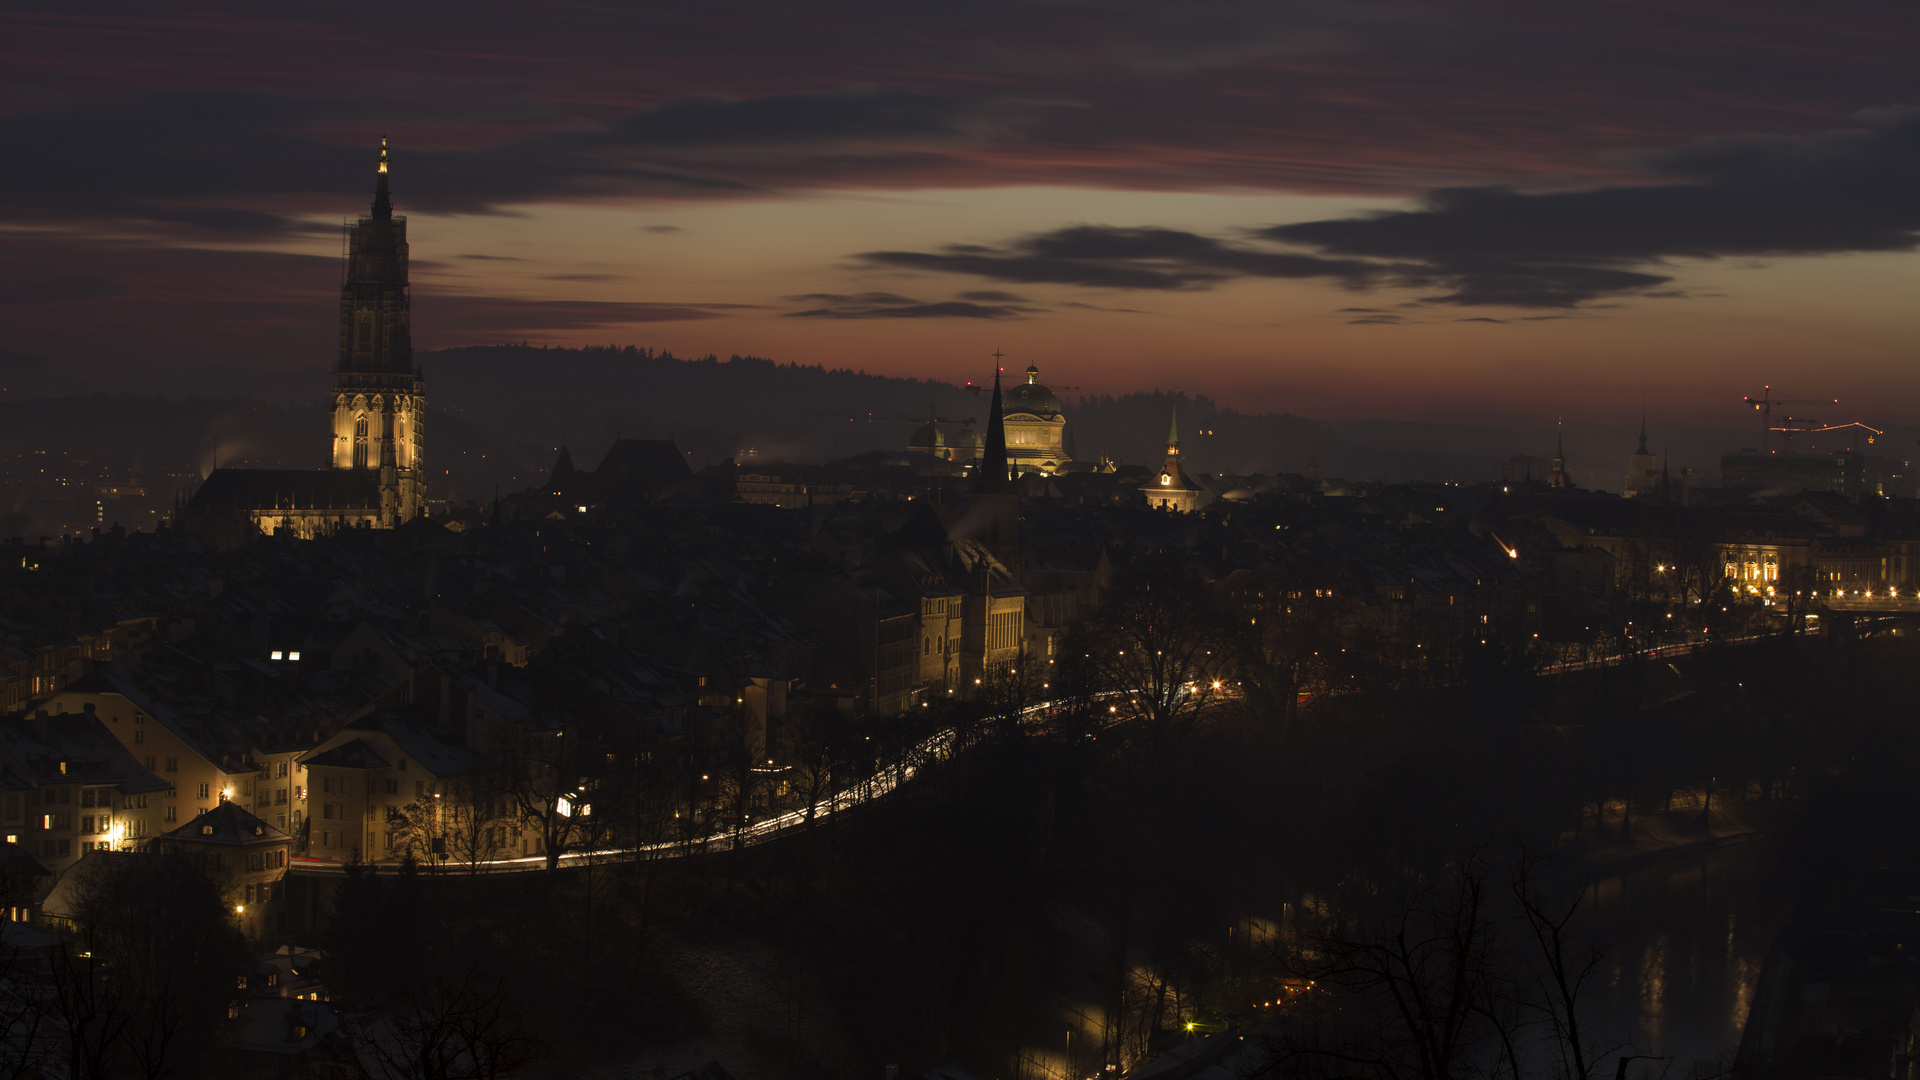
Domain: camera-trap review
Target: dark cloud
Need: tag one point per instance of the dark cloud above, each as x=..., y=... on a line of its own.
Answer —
x=788, y=120
x=1111, y=310
x=1121, y=258
x=652, y=99
x=1849, y=190
x=993, y=296
x=662, y=230
x=884, y=305
x=493, y=258
x=866, y=299
x=200, y=162
x=1844, y=191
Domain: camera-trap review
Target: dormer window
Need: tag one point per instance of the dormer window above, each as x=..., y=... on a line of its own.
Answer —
x=206, y=830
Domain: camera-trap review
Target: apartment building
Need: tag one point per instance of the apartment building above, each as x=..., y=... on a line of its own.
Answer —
x=68, y=787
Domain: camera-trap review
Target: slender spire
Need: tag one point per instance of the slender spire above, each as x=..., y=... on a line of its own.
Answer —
x=1173, y=431
x=1643, y=432
x=993, y=464
x=1558, y=477
x=382, y=205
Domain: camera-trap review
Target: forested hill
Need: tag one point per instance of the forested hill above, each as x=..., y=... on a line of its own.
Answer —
x=718, y=407
x=498, y=413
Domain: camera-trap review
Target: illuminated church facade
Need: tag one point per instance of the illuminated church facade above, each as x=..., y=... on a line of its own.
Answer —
x=375, y=464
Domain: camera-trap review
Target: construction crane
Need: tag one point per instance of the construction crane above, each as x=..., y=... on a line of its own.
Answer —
x=1790, y=425
x=1855, y=427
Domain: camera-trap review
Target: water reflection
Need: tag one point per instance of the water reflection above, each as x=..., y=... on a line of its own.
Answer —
x=1685, y=939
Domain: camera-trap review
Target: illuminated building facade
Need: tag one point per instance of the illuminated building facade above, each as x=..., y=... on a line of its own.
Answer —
x=379, y=397
x=1036, y=428
x=1171, y=488
x=250, y=855
x=374, y=477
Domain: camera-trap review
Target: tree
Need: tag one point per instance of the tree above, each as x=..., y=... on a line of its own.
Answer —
x=144, y=980
x=1431, y=988
x=374, y=939
x=1423, y=988
x=464, y=825
x=1161, y=639
x=546, y=782
x=455, y=1027
x=1563, y=970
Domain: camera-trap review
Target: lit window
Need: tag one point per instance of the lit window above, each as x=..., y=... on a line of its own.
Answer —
x=276, y=655
x=293, y=656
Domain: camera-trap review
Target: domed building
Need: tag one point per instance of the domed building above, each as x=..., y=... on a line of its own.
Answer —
x=965, y=449
x=1036, y=427
x=927, y=439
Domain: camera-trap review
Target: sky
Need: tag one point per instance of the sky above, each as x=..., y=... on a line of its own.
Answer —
x=1473, y=212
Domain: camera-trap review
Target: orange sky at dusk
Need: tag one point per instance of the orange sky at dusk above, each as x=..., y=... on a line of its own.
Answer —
x=1481, y=213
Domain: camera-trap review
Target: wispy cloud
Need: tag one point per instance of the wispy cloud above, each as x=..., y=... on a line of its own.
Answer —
x=884, y=305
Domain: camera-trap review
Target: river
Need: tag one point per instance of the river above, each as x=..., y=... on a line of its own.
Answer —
x=1685, y=938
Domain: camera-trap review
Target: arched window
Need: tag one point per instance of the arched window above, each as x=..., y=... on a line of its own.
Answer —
x=360, y=443
x=366, y=333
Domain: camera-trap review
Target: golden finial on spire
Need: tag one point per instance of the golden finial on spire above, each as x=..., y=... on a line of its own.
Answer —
x=383, y=154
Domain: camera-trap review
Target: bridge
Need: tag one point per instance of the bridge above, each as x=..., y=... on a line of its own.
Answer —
x=940, y=745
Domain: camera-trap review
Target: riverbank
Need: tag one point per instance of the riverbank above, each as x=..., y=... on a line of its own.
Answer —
x=1684, y=829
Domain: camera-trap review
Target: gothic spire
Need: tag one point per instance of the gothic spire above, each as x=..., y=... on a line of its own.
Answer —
x=993, y=464
x=1643, y=432
x=1173, y=430
x=382, y=205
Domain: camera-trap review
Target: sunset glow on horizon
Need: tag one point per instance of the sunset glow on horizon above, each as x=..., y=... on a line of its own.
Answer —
x=1370, y=211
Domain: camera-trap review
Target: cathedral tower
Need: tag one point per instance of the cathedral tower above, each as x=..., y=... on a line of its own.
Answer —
x=379, y=397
